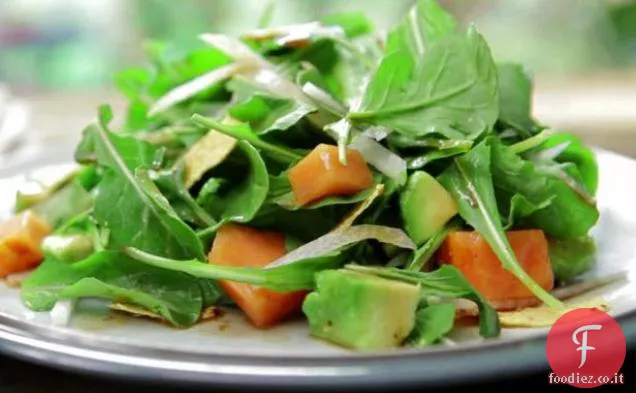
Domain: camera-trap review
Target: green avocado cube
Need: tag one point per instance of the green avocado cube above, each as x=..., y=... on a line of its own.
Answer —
x=361, y=311
x=426, y=207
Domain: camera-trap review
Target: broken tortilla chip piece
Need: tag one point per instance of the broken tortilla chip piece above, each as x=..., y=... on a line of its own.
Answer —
x=544, y=316
x=207, y=314
x=360, y=208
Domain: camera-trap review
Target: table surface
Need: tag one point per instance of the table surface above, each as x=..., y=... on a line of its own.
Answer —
x=20, y=377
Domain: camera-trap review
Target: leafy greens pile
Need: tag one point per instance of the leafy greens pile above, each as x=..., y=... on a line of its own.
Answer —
x=210, y=134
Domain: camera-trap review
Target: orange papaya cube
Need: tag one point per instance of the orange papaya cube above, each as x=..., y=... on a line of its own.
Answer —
x=320, y=174
x=471, y=254
x=20, y=239
x=243, y=246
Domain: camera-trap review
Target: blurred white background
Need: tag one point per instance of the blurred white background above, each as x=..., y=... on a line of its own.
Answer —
x=61, y=54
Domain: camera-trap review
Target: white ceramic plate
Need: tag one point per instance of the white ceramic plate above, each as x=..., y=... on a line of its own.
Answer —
x=229, y=351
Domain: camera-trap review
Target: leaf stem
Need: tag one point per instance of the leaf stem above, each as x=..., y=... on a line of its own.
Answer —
x=275, y=152
x=198, y=268
x=423, y=254
x=500, y=244
x=532, y=142
x=409, y=106
x=209, y=231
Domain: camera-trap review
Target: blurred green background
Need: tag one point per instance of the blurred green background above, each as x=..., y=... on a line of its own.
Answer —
x=78, y=44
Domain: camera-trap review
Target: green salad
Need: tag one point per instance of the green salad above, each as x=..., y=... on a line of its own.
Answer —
x=370, y=183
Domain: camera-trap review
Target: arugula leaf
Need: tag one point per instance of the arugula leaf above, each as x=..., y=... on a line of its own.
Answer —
x=64, y=204
x=470, y=182
x=197, y=85
x=425, y=23
x=574, y=151
x=114, y=276
x=143, y=86
x=286, y=201
x=451, y=91
x=548, y=202
x=184, y=235
x=292, y=277
x=422, y=160
x=88, y=176
x=425, y=252
x=244, y=132
x=405, y=141
x=431, y=324
x=274, y=217
x=129, y=205
x=446, y=283
x=208, y=193
x=571, y=257
x=517, y=207
x=515, y=99
x=265, y=113
x=243, y=201
x=169, y=183
x=284, y=197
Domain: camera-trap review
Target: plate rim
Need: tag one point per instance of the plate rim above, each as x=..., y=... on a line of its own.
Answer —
x=66, y=349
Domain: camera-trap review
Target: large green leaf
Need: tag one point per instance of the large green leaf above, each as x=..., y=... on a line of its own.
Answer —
x=571, y=257
x=515, y=99
x=432, y=323
x=130, y=206
x=265, y=113
x=243, y=198
x=541, y=195
x=452, y=90
x=425, y=23
x=470, y=182
x=117, y=277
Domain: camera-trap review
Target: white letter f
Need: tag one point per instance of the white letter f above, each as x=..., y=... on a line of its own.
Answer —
x=584, y=347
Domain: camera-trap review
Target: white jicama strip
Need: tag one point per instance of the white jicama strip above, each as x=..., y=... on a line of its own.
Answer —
x=61, y=312
x=294, y=34
x=262, y=73
x=377, y=132
x=304, y=38
x=324, y=99
x=302, y=29
x=272, y=32
x=196, y=85
x=383, y=159
x=232, y=47
x=276, y=84
x=337, y=239
x=553, y=152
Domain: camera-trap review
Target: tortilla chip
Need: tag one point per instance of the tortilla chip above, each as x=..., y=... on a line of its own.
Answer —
x=544, y=316
x=207, y=314
x=134, y=310
x=360, y=208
